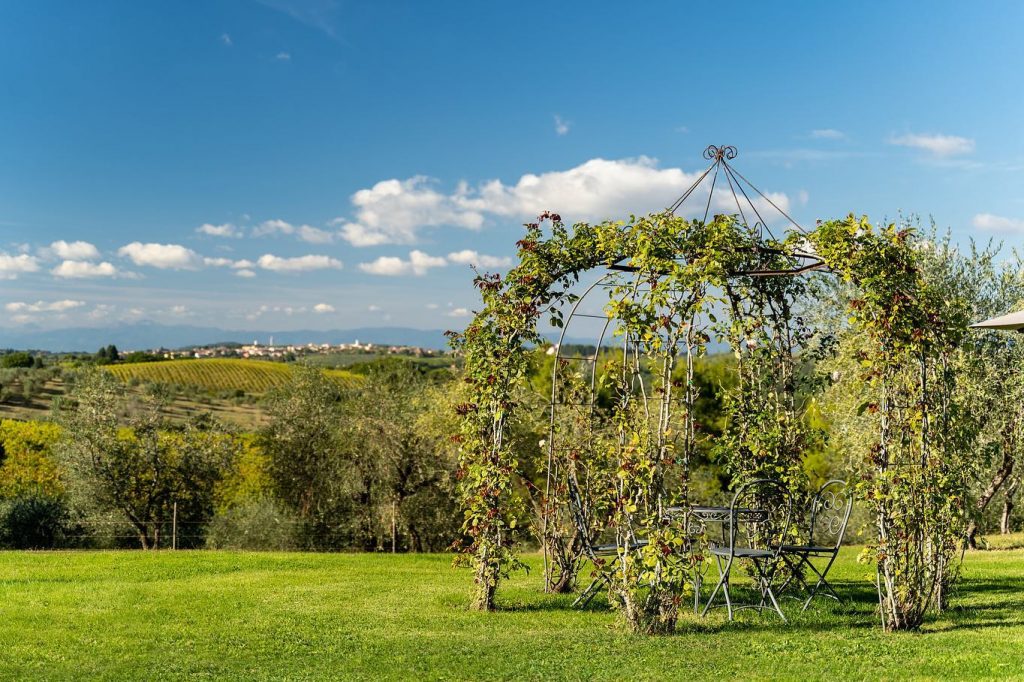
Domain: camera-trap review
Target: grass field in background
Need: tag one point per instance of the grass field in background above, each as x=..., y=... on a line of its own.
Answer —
x=175, y=615
x=219, y=374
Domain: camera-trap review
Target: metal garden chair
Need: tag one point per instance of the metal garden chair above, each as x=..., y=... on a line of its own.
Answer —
x=601, y=578
x=758, y=517
x=830, y=514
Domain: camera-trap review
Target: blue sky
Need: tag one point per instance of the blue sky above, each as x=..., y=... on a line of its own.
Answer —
x=321, y=164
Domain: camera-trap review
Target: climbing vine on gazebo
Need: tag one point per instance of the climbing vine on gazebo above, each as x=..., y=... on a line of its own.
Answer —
x=684, y=284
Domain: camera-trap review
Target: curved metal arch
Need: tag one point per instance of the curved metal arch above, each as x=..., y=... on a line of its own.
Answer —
x=632, y=377
x=601, y=281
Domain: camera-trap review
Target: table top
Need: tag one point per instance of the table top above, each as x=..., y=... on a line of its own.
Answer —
x=713, y=512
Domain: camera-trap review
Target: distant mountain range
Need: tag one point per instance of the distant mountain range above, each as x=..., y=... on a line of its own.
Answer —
x=146, y=335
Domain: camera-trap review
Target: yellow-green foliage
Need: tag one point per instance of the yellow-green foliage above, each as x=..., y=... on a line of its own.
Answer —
x=28, y=465
x=250, y=478
x=219, y=374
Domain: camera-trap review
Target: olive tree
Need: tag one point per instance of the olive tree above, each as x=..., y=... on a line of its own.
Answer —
x=368, y=467
x=129, y=459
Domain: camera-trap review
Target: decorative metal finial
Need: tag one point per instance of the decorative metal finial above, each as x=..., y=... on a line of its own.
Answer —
x=726, y=151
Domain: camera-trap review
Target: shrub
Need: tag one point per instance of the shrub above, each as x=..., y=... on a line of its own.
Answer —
x=19, y=359
x=28, y=465
x=34, y=522
x=258, y=524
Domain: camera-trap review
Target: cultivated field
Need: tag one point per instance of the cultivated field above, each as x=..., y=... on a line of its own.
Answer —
x=166, y=615
x=197, y=385
x=219, y=374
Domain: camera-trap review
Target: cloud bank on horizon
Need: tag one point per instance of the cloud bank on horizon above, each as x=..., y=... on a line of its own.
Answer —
x=399, y=212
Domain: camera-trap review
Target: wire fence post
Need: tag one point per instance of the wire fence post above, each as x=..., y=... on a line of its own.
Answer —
x=174, y=527
x=394, y=528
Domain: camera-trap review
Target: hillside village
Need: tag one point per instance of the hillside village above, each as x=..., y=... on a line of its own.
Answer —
x=270, y=351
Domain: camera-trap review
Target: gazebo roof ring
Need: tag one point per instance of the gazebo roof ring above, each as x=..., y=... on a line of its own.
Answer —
x=720, y=157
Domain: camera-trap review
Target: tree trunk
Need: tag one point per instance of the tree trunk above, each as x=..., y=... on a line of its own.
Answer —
x=1011, y=492
x=486, y=586
x=1002, y=473
x=565, y=582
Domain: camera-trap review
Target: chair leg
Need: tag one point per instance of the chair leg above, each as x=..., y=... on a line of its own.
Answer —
x=589, y=593
x=696, y=593
x=725, y=588
x=794, y=574
x=775, y=602
x=723, y=585
x=714, y=592
x=766, y=589
x=821, y=583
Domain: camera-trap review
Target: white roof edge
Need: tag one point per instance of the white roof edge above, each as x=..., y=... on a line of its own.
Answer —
x=1011, y=321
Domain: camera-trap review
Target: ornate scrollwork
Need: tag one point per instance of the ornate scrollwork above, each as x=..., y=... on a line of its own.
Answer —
x=714, y=152
x=830, y=512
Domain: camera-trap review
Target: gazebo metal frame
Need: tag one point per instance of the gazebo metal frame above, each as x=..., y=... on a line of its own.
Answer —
x=736, y=187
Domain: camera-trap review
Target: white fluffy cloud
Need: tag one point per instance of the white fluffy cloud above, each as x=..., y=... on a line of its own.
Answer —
x=470, y=257
x=297, y=264
x=307, y=233
x=561, y=125
x=162, y=256
x=43, y=306
x=395, y=211
x=81, y=269
x=314, y=235
x=77, y=250
x=278, y=309
x=995, y=223
x=385, y=265
x=419, y=263
x=937, y=145
x=221, y=262
x=12, y=266
x=224, y=230
x=322, y=308
x=268, y=227
x=459, y=312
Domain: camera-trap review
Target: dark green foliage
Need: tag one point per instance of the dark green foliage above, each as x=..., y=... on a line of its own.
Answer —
x=140, y=356
x=107, y=355
x=34, y=521
x=16, y=360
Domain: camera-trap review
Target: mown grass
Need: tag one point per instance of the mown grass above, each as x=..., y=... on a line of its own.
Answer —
x=1008, y=541
x=166, y=615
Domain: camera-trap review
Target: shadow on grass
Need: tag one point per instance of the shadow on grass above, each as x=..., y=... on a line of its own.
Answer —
x=857, y=612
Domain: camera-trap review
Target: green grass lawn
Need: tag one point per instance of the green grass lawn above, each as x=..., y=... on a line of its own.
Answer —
x=167, y=615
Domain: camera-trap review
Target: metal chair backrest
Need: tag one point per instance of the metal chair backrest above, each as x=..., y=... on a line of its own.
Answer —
x=830, y=514
x=760, y=515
